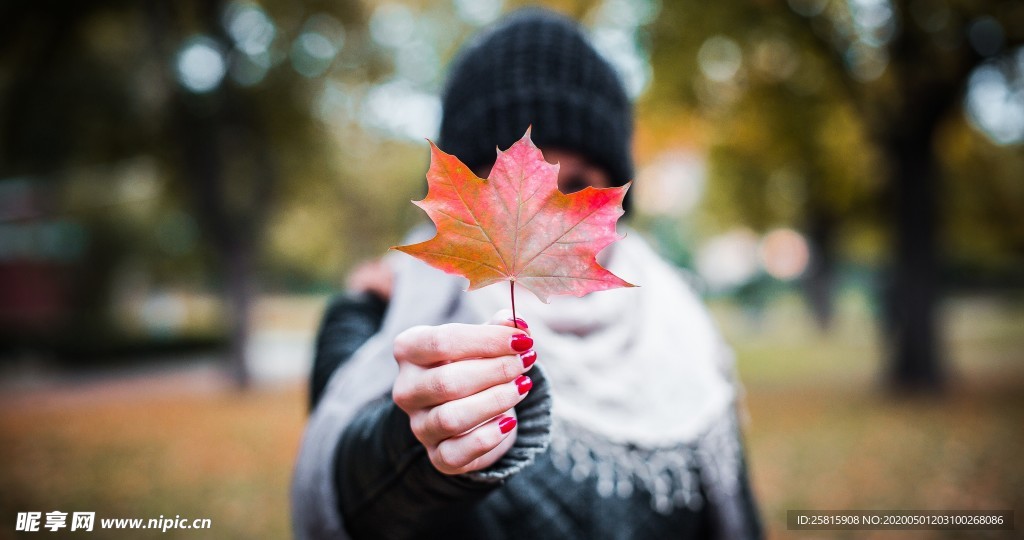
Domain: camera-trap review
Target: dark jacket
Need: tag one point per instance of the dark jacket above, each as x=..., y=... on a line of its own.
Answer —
x=389, y=489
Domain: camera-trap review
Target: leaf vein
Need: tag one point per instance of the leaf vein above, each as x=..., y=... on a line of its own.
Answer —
x=567, y=231
x=494, y=245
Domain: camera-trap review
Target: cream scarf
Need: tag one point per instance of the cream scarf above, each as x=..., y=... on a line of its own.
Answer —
x=637, y=366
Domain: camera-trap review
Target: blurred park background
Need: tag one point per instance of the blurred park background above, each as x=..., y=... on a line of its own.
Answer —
x=184, y=184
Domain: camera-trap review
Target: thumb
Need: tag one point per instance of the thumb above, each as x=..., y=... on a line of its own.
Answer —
x=503, y=317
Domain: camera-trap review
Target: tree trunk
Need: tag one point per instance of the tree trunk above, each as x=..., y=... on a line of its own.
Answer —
x=819, y=282
x=913, y=290
x=237, y=260
x=203, y=156
x=196, y=131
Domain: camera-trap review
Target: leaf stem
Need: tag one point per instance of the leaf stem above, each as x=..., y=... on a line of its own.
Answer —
x=512, y=290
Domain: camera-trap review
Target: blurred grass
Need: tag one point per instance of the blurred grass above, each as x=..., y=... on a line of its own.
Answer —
x=825, y=435
x=209, y=454
x=822, y=433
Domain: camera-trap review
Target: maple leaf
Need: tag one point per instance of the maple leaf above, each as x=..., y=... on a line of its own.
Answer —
x=517, y=226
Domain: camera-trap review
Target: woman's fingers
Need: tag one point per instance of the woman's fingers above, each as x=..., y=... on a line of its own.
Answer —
x=503, y=317
x=430, y=345
x=456, y=380
x=456, y=417
x=417, y=387
x=468, y=452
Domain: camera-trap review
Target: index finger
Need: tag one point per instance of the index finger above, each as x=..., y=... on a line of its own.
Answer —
x=428, y=345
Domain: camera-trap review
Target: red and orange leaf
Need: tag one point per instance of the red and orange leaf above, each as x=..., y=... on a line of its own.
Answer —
x=517, y=226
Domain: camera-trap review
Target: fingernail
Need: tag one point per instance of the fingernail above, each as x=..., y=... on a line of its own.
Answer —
x=506, y=424
x=522, y=342
x=519, y=322
x=528, y=358
x=524, y=384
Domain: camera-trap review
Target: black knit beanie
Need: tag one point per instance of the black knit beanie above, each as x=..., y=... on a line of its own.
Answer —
x=537, y=68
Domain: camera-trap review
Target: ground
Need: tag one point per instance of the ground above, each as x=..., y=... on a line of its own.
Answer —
x=821, y=432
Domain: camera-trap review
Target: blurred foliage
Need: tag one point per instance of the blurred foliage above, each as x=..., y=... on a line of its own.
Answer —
x=191, y=145
x=843, y=107
x=792, y=124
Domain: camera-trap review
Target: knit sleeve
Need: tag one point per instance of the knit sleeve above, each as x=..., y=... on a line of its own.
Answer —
x=386, y=485
x=348, y=322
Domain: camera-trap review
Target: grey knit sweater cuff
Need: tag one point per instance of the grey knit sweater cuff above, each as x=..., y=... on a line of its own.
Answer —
x=534, y=416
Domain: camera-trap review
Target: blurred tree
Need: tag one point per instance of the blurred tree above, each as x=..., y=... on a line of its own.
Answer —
x=787, y=81
x=64, y=105
x=219, y=92
x=224, y=154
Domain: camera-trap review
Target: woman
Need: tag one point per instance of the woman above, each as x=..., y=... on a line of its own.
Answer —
x=607, y=416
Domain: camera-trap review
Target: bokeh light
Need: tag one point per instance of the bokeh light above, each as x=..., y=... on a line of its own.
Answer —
x=995, y=99
x=672, y=184
x=391, y=25
x=417, y=62
x=874, y=21
x=728, y=260
x=478, y=12
x=784, y=254
x=249, y=27
x=775, y=58
x=616, y=34
x=399, y=111
x=720, y=58
x=200, y=65
x=314, y=49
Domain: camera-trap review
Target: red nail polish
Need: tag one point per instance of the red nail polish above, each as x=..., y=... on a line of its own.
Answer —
x=506, y=424
x=528, y=358
x=522, y=342
x=519, y=322
x=523, y=384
